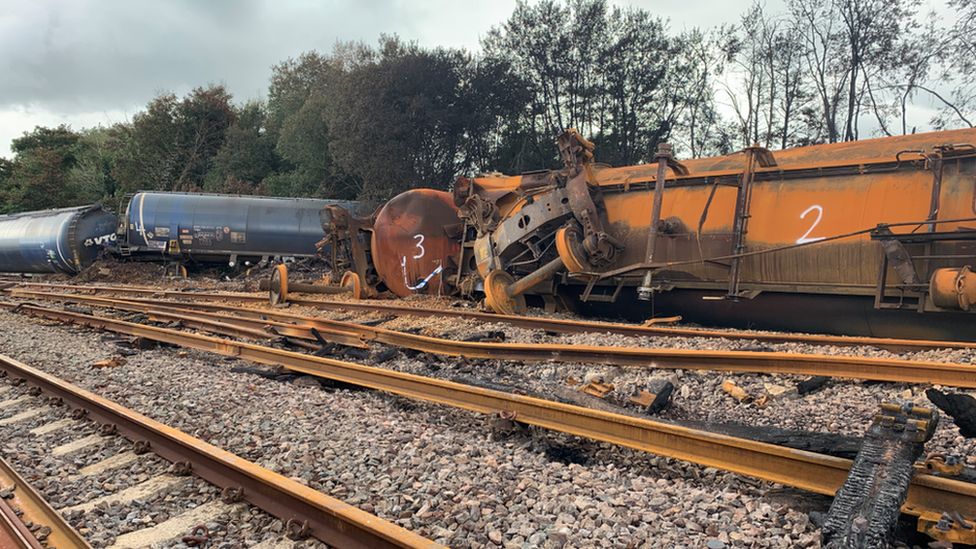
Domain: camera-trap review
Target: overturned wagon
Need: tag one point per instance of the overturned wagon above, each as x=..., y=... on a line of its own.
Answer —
x=214, y=228
x=54, y=241
x=875, y=237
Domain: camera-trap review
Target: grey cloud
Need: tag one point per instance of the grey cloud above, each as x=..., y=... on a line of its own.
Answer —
x=82, y=60
x=89, y=55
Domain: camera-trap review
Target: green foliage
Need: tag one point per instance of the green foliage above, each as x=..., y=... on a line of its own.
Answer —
x=38, y=177
x=247, y=155
x=615, y=74
x=173, y=144
x=412, y=117
x=91, y=176
x=368, y=121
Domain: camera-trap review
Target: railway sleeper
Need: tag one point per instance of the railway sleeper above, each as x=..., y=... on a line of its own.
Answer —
x=866, y=509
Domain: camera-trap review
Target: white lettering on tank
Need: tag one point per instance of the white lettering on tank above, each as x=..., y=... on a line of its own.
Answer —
x=806, y=236
x=420, y=246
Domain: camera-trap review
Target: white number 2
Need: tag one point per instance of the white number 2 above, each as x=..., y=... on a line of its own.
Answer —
x=806, y=236
x=420, y=246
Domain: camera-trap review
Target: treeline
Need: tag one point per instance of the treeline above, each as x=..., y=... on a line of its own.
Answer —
x=370, y=121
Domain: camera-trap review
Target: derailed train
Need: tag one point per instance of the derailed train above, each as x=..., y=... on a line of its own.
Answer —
x=64, y=241
x=876, y=237
x=215, y=228
x=168, y=227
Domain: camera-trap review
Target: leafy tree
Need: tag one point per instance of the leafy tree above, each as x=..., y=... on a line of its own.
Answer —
x=304, y=143
x=404, y=117
x=614, y=74
x=247, y=155
x=294, y=81
x=298, y=100
x=37, y=177
x=172, y=145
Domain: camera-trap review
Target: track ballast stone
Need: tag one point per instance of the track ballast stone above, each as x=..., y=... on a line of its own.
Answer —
x=437, y=471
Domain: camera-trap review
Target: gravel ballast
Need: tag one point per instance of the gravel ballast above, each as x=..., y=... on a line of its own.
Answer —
x=440, y=472
x=58, y=478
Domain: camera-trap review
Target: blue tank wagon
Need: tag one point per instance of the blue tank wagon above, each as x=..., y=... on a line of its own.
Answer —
x=54, y=241
x=215, y=228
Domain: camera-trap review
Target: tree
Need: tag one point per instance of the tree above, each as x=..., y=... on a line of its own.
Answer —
x=404, y=117
x=295, y=80
x=304, y=144
x=614, y=74
x=247, y=155
x=37, y=177
x=91, y=175
x=769, y=90
x=851, y=47
x=172, y=145
x=298, y=100
x=699, y=127
x=957, y=49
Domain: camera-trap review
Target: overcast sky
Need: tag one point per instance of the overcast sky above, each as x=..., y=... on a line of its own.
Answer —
x=91, y=62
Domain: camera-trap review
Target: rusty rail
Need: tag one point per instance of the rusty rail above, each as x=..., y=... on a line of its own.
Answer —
x=33, y=508
x=328, y=519
x=805, y=470
x=537, y=323
x=347, y=333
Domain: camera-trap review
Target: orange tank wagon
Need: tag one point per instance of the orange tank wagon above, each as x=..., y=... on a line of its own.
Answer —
x=875, y=237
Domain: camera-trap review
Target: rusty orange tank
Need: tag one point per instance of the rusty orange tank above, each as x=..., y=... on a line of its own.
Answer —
x=875, y=237
x=416, y=241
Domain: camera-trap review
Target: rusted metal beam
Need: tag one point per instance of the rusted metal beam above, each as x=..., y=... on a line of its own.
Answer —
x=33, y=508
x=14, y=534
x=329, y=520
x=797, y=468
x=877, y=369
x=538, y=323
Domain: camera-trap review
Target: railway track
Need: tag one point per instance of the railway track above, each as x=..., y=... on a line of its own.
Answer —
x=538, y=323
x=310, y=332
x=95, y=428
x=805, y=470
x=27, y=506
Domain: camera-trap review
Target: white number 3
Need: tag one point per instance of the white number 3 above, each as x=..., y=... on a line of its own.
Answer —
x=806, y=236
x=420, y=246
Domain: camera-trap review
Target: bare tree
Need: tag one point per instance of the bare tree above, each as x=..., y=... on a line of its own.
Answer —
x=768, y=87
x=957, y=94
x=853, y=48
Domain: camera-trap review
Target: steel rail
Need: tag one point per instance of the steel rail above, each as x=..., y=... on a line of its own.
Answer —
x=538, y=323
x=805, y=470
x=14, y=534
x=328, y=519
x=255, y=325
x=37, y=510
x=297, y=326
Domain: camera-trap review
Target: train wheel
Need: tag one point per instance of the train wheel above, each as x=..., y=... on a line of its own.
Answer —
x=570, y=249
x=497, y=297
x=351, y=280
x=278, y=290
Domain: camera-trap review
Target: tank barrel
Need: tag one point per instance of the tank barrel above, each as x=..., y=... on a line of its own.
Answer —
x=64, y=241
